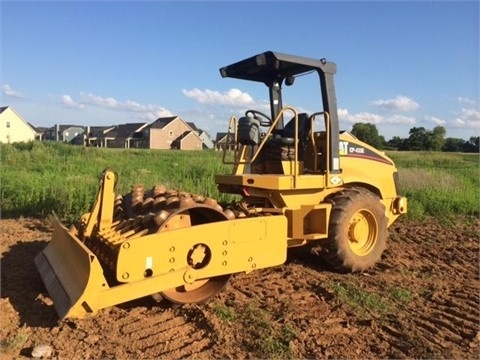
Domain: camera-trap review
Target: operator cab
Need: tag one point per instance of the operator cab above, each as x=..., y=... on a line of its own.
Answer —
x=275, y=70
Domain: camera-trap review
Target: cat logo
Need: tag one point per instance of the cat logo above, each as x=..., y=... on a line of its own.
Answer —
x=343, y=147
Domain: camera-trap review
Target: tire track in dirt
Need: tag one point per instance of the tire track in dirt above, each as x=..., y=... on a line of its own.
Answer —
x=166, y=334
x=435, y=265
x=427, y=328
x=445, y=313
x=441, y=277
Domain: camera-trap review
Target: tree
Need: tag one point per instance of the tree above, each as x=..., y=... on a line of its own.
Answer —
x=368, y=133
x=472, y=145
x=395, y=143
x=421, y=139
x=454, y=145
x=436, y=138
x=418, y=139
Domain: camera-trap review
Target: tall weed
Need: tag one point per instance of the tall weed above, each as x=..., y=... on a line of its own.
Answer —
x=439, y=184
x=39, y=178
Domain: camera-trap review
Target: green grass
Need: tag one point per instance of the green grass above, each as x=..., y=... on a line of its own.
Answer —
x=360, y=301
x=224, y=312
x=14, y=342
x=268, y=338
x=365, y=303
x=439, y=184
x=39, y=178
x=400, y=294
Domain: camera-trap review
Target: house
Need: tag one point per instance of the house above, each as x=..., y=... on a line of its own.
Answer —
x=65, y=133
x=203, y=135
x=162, y=133
x=224, y=140
x=189, y=140
x=40, y=130
x=207, y=142
x=13, y=128
x=121, y=136
x=92, y=136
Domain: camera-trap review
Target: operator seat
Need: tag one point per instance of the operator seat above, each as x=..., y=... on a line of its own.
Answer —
x=284, y=141
x=304, y=127
x=281, y=146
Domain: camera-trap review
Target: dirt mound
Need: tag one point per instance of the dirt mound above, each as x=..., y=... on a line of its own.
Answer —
x=420, y=301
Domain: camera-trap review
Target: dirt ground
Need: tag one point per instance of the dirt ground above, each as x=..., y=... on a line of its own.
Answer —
x=420, y=301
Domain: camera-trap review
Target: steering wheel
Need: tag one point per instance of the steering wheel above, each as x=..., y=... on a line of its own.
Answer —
x=259, y=116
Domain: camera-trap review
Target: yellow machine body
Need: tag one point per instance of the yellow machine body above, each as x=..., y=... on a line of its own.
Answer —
x=323, y=187
x=149, y=264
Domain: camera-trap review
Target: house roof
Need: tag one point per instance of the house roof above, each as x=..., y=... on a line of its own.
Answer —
x=184, y=135
x=62, y=128
x=39, y=130
x=124, y=130
x=222, y=136
x=99, y=130
x=42, y=129
x=160, y=123
x=3, y=108
x=193, y=126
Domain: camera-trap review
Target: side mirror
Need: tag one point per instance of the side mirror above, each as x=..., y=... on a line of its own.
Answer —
x=289, y=80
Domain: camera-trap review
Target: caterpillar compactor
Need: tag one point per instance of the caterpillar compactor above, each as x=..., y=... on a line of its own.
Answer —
x=298, y=181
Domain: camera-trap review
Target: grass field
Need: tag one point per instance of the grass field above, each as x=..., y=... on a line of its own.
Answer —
x=439, y=184
x=40, y=178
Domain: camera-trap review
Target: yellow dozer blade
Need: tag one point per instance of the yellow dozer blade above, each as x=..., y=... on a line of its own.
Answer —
x=71, y=273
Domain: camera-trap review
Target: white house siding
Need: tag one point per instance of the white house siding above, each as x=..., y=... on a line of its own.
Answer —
x=207, y=142
x=13, y=128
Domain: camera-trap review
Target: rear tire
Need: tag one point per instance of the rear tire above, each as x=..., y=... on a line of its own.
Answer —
x=357, y=233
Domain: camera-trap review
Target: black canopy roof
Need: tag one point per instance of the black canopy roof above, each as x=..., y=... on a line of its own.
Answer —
x=269, y=66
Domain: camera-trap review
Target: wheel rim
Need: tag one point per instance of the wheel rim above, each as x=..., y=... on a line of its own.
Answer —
x=168, y=210
x=197, y=292
x=203, y=289
x=362, y=232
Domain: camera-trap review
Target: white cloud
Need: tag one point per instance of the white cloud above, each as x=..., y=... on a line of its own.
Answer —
x=150, y=112
x=468, y=118
x=155, y=114
x=231, y=97
x=363, y=117
x=399, y=103
x=400, y=119
x=371, y=118
x=135, y=106
x=434, y=120
x=146, y=112
x=106, y=102
x=464, y=100
x=8, y=91
x=69, y=102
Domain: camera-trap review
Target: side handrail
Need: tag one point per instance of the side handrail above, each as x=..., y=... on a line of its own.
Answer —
x=238, y=161
x=326, y=117
x=232, y=123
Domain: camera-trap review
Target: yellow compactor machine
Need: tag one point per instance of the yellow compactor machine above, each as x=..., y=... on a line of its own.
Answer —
x=299, y=181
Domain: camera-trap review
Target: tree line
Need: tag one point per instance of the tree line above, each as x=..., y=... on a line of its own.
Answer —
x=419, y=139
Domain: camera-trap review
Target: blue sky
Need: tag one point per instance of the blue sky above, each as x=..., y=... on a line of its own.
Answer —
x=399, y=64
